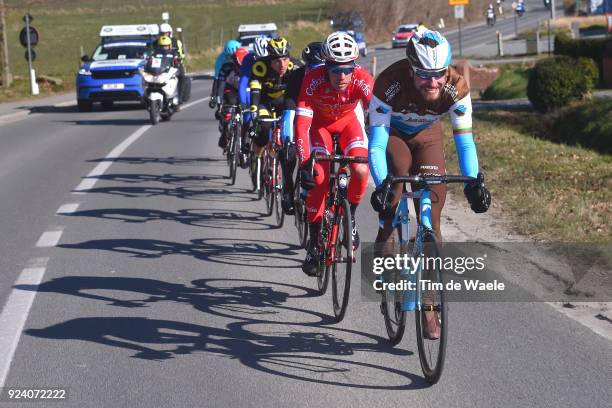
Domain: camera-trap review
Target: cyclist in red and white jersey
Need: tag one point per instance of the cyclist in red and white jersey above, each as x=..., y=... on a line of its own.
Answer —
x=332, y=100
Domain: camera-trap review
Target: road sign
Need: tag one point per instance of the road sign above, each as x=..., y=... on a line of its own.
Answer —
x=32, y=52
x=23, y=37
x=459, y=12
x=458, y=2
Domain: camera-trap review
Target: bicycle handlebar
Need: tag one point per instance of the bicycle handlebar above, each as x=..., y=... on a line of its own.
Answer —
x=336, y=158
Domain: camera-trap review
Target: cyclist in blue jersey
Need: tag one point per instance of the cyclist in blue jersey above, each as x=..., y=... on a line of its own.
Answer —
x=225, y=57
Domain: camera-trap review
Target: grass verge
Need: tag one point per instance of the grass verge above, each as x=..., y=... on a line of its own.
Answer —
x=551, y=191
x=67, y=26
x=510, y=84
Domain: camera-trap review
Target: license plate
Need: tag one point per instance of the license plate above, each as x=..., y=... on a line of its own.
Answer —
x=113, y=86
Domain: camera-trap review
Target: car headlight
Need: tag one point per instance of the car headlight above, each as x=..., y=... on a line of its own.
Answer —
x=84, y=71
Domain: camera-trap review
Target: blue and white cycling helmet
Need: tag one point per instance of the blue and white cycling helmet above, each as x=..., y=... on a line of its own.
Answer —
x=429, y=52
x=260, y=46
x=230, y=47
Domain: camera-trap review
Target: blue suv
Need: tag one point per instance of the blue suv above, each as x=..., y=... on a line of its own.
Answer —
x=111, y=73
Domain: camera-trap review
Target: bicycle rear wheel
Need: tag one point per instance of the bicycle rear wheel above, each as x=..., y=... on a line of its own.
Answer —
x=342, y=262
x=278, y=194
x=300, y=213
x=433, y=306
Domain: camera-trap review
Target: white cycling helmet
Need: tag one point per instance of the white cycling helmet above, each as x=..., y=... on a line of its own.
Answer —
x=429, y=51
x=260, y=47
x=165, y=28
x=340, y=47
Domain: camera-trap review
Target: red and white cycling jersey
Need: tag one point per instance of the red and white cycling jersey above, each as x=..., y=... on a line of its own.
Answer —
x=319, y=99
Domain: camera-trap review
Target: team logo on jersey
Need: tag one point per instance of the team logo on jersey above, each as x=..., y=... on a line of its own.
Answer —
x=392, y=91
x=460, y=111
x=361, y=83
x=314, y=84
x=451, y=90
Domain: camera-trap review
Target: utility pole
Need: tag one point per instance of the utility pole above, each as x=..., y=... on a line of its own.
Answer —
x=6, y=70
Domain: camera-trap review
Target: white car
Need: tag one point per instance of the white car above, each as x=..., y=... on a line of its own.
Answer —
x=247, y=33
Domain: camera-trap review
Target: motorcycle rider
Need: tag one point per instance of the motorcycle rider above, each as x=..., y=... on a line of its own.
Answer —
x=490, y=13
x=177, y=45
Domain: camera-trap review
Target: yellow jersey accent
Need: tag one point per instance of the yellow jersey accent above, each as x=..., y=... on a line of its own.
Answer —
x=255, y=85
x=259, y=68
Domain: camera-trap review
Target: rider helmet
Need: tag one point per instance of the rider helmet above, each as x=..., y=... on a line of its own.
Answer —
x=230, y=47
x=429, y=52
x=278, y=47
x=240, y=54
x=165, y=28
x=340, y=47
x=312, y=54
x=260, y=46
x=164, y=40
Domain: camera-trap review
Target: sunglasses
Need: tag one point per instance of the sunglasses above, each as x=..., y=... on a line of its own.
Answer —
x=340, y=69
x=426, y=75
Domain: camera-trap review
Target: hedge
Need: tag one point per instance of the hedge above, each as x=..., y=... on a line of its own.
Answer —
x=583, y=47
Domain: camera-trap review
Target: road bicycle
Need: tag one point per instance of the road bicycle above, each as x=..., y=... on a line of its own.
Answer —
x=336, y=239
x=425, y=293
x=234, y=139
x=271, y=173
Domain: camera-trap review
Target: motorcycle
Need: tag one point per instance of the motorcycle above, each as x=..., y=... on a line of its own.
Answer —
x=520, y=9
x=490, y=18
x=547, y=4
x=161, y=92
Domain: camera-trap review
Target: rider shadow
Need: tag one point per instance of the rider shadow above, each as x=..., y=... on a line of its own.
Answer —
x=172, y=179
x=161, y=340
x=255, y=253
x=112, y=122
x=204, y=194
x=210, y=217
x=172, y=160
x=278, y=352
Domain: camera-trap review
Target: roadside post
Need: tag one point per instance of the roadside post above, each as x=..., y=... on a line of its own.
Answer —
x=373, y=67
x=459, y=15
x=500, y=45
x=28, y=37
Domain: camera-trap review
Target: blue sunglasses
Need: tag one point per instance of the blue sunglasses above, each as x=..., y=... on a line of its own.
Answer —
x=426, y=75
x=340, y=69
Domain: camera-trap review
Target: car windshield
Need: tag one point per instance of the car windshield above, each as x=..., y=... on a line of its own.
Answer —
x=405, y=29
x=118, y=51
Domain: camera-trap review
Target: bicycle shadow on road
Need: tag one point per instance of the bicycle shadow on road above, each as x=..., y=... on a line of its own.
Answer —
x=112, y=122
x=278, y=353
x=260, y=339
x=172, y=160
x=235, y=251
x=210, y=217
x=232, y=194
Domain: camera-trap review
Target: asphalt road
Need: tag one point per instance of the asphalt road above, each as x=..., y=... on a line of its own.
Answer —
x=168, y=287
x=473, y=36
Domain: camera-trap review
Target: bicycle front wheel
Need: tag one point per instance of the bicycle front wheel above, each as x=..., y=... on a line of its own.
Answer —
x=432, y=313
x=268, y=183
x=342, y=259
x=278, y=194
x=391, y=307
x=235, y=148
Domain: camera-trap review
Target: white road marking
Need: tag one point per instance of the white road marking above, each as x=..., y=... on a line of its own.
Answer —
x=90, y=180
x=68, y=208
x=15, y=313
x=190, y=104
x=49, y=238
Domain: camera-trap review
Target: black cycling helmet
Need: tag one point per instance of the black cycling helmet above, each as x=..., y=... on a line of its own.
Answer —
x=312, y=54
x=278, y=47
